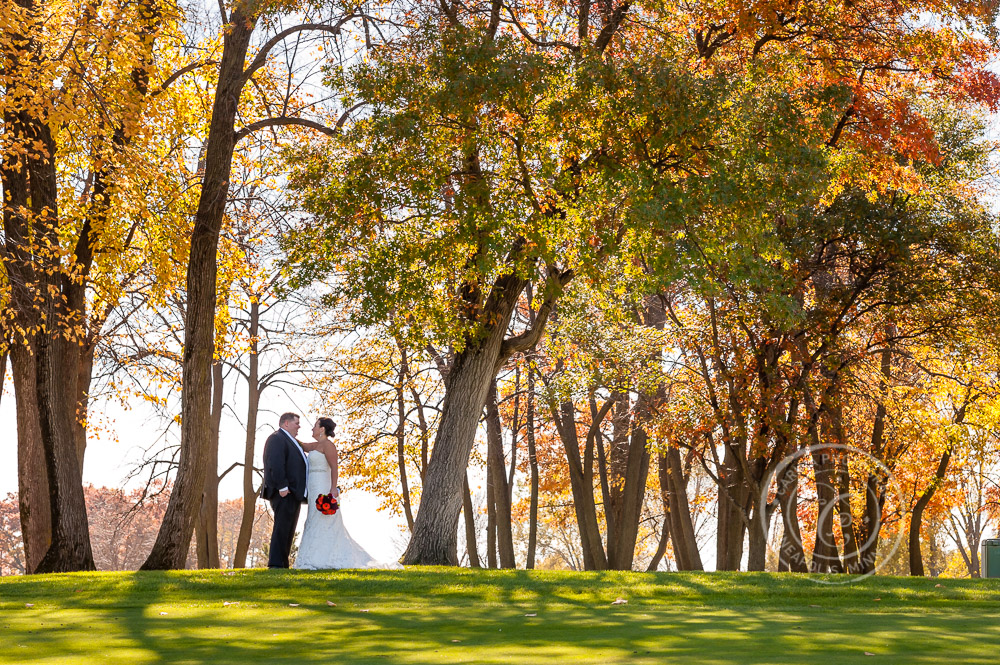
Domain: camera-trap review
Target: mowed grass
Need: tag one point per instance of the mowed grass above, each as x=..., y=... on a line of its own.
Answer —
x=429, y=615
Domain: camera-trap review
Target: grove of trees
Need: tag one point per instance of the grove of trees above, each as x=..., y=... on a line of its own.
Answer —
x=580, y=279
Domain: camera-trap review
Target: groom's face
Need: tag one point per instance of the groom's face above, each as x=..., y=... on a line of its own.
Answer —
x=292, y=426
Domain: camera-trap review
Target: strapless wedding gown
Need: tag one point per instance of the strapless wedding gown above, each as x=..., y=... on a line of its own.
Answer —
x=325, y=542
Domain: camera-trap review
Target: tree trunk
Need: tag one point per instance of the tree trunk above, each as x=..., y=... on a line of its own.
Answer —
x=581, y=483
x=471, y=546
x=757, y=550
x=32, y=482
x=916, y=558
x=673, y=481
x=791, y=556
x=254, y=390
x=207, y=527
x=174, y=536
x=826, y=554
x=629, y=469
x=434, y=539
x=533, y=465
x=733, y=495
x=498, y=480
x=401, y=433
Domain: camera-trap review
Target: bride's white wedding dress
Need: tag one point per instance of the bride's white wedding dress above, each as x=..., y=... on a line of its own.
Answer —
x=325, y=542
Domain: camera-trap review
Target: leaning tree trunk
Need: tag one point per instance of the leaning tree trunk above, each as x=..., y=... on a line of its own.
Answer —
x=792, y=555
x=733, y=495
x=172, y=541
x=434, y=539
x=916, y=558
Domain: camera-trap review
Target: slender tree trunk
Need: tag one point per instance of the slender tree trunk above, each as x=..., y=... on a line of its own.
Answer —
x=254, y=390
x=916, y=557
x=401, y=433
x=471, y=546
x=491, y=516
x=533, y=465
x=630, y=468
x=170, y=548
x=499, y=482
x=733, y=494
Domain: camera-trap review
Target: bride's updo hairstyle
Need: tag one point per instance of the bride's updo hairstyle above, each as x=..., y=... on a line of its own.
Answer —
x=327, y=424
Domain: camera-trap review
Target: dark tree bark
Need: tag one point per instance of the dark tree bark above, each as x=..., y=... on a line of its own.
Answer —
x=629, y=464
x=673, y=481
x=582, y=481
x=471, y=546
x=916, y=557
x=32, y=482
x=533, y=465
x=170, y=549
x=401, y=433
x=254, y=390
x=207, y=526
x=498, y=482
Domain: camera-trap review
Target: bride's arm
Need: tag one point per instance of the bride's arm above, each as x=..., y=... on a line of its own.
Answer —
x=332, y=459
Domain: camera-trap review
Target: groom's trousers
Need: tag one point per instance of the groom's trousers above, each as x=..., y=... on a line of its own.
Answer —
x=286, y=517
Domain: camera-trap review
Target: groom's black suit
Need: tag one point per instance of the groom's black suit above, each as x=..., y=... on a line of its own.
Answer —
x=284, y=466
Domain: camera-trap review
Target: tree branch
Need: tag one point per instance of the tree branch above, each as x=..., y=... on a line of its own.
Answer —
x=530, y=337
x=284, y=121
x=261, y=59
x=181, y=72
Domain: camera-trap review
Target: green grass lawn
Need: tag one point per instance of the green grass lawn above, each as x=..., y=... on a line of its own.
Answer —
x=425, y=615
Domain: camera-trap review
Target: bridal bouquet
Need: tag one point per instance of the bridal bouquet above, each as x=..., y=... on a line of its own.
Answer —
x=326, y=504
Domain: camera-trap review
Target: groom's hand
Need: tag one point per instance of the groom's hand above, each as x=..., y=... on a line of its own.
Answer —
x=283, y=493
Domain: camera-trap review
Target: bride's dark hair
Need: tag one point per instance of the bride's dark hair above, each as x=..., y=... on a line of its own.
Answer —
x=327, y=424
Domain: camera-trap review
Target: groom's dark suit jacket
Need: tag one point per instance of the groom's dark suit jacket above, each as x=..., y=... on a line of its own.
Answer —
x=284, y=466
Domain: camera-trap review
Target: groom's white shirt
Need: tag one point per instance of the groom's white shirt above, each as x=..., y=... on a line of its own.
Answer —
x=304, y=456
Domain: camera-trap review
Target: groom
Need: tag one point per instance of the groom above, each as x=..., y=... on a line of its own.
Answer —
x=285, y=473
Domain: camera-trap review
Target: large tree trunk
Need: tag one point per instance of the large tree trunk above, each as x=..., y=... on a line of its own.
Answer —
x=174, y=536
x=253, y=405
x=207, y=526
x=434, y=540
x=498, y=480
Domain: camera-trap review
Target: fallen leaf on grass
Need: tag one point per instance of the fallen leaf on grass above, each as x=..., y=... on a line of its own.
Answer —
x=456, y=640
x=938, y=585
x=331, y=603
x=877, y=599
x=533, y=614
x=364, y=610
x=620, y=601
x=293, y=604
x=163, y=614
x=227, y=603
x=869, y=653
x=29, y=604
x=815, y=606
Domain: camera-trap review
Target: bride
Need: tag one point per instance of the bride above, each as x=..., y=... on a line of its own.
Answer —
x=325, y=541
